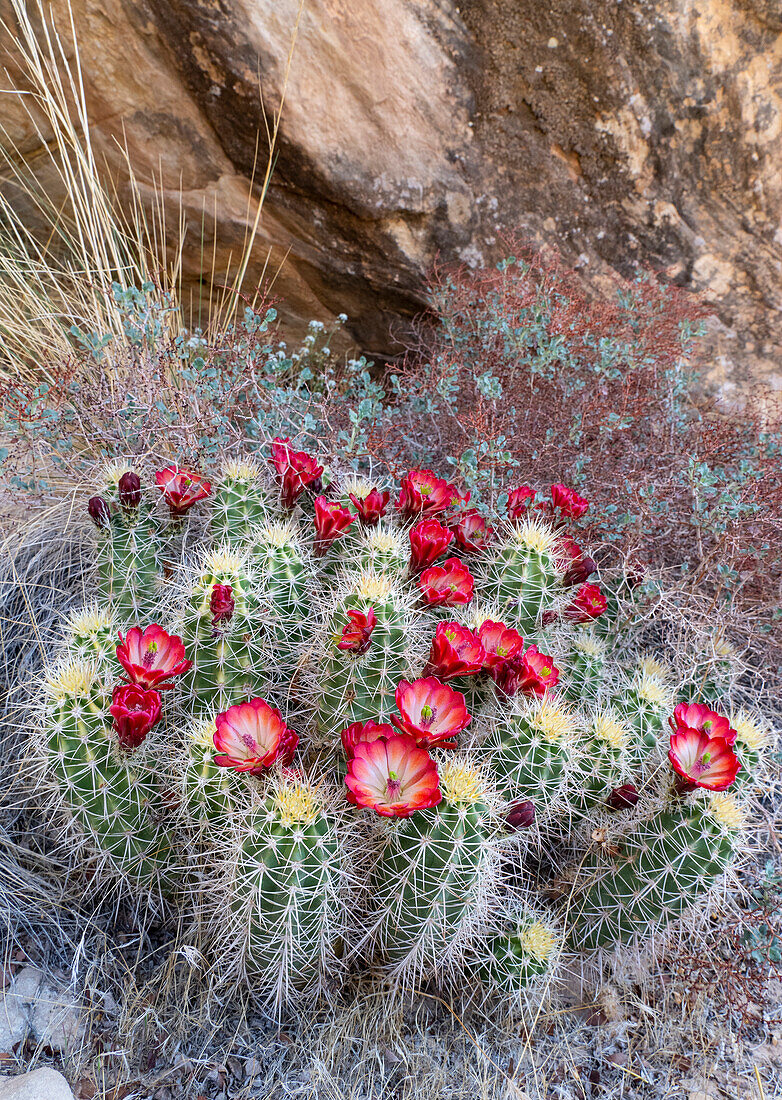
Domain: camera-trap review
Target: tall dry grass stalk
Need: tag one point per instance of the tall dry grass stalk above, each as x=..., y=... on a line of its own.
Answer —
x=60, y=273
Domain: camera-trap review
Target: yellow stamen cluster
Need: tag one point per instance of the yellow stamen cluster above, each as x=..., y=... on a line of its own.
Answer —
x=373, y=586
x=297, y=803
x=242, y=469
x=89, y=620
x=554, y=721
x=536, y=535
x=590, y=645
x=726, y=809
x=607, y=727
x=461, y=784
x=751, y=731
x=538, y=941
x=651, y=690
x=71, y=680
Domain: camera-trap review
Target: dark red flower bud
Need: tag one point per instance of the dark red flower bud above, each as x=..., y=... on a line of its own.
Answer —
x=622, y=798
x=221, y=603
x=130, y=489
x=99, y=511
x=521, y=815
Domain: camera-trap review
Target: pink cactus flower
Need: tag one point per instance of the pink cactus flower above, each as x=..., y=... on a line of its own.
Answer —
x=500, y=643
x=520, y=501
x=702, y=761
x=528, y=673
x=447, y=585
x=252, y=736
x=697, y=716
x=331, y=521
x=365, y=731
x=428, y=540
x=394, y=777
x=222, y=603
x=587, y=604
x=372, y=507
x=181, y=488
x=567, y=502
x=455, y=651
x=135, y=710
x=424, y=494
x=431, y=712
x=357, y=634
x=153, y=657
x=472, y=532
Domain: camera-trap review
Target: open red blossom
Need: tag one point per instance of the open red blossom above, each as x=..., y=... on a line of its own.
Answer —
x=428, y=540
x=424, y=494
x=588, y=603
x=579, y=567
x=447, y=585
x=135, y=710
x=372, y=507
x=394, y=778
x=152, y=657
x=702, y=761
x=567, y=502
x=365, y=731
x=500, y=644
x=519, y=501
x=431, y=712
x=222, y=603
x=697, y=716
x=455, y=651
x=528, y=673
x=331, y=520
x=472, y=532
x=295, y=470
x=357, y=634
x=181, y=488
x=252, y=736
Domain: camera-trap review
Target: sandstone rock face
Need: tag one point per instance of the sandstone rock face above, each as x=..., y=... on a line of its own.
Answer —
x=624, y=132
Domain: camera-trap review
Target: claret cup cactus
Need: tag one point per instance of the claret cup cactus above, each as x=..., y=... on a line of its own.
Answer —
x=339, y=724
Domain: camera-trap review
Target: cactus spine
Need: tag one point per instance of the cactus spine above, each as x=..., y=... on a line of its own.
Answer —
x=522, y=575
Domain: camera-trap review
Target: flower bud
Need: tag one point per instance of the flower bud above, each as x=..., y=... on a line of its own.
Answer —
x=623, y=798
x=129, y=489
x=521, y=815
x=99, y=511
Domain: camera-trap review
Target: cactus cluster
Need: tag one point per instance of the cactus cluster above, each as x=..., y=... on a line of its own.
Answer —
x=340, y=725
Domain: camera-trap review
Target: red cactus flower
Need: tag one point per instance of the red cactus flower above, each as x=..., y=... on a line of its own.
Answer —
x=500, y=643
x=588, y=603
x=448, y=584
x=252, y=736
x=472, y=532
x=431, y=712
x=697, y=716
x=331, y=519
x=295, y=470
x=567, y=502
x=152, y=657
x=528, y=673
x=357, y=634
x=372, y=507
x=428, y=540
x=455, y=651
x=365, y=731
x=222, y=603
x=100, y=511
x=395, y=777
x=129, y=490
x=702, y=761
x=579, y=567
x=519, y=501
x=424, y=494
x=135, y=710
x=181, y=488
